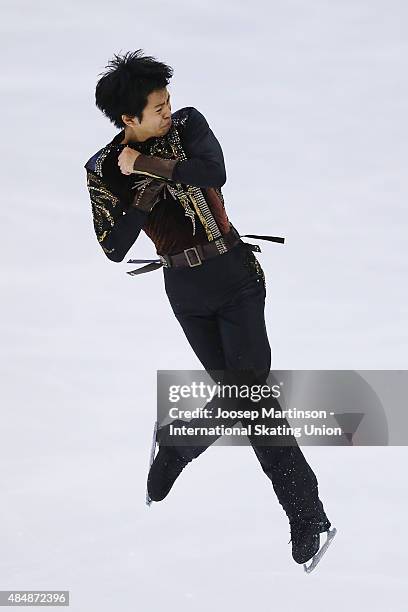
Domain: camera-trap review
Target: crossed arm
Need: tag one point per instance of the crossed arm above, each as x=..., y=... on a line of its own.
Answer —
x=117, y=227
x=204, y=168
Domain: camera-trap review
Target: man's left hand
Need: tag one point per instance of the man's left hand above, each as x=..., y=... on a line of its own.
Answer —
x=126, y=160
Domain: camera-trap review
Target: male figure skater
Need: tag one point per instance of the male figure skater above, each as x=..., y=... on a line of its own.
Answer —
x=163, y=173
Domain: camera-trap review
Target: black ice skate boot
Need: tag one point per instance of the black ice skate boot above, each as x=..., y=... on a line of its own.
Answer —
x=305, y=538
x=166, y=467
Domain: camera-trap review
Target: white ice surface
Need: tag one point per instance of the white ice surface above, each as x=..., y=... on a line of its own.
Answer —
x=308, y=100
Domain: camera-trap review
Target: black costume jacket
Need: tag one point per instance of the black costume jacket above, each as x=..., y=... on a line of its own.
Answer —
x=174, y=194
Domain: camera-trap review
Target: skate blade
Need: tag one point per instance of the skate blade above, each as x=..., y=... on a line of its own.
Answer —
x=318, y=556
x=151, y=459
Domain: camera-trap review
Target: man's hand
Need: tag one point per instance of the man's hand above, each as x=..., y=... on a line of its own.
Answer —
x=126, y=160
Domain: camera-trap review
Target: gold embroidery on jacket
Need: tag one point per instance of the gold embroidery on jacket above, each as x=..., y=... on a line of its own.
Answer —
x=167, y=147
x=103, y=202
x=201, y=217
x=195, y=194
x=100, y=160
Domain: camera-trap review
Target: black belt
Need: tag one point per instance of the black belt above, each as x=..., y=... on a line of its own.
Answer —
x=194, y=256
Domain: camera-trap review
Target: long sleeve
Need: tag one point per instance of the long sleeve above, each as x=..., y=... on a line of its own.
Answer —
x=116, y=228
x=205, y=165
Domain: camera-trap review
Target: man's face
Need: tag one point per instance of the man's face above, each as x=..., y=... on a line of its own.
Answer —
x=156, y=119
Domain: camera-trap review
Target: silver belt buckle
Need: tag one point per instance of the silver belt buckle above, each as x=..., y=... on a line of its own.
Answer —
x=192, y=265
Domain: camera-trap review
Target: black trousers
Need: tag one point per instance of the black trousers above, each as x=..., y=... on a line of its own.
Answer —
x=220, y=306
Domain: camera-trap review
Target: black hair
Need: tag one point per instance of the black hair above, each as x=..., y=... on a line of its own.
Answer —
x=126, y=83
